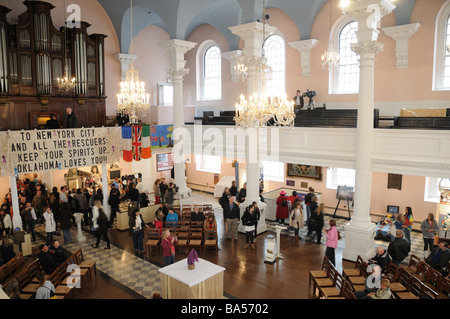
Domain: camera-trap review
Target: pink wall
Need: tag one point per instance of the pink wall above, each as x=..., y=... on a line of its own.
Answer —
x=230, y=90
x=153, y=62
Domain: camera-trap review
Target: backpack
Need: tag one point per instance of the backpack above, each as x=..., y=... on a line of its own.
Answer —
x=284, y=203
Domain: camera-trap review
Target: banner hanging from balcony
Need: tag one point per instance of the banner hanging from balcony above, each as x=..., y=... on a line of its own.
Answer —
x=42, y=150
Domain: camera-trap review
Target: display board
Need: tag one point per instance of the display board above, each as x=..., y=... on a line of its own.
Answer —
x=42, y=150
x=344, y=192
x=164, y=162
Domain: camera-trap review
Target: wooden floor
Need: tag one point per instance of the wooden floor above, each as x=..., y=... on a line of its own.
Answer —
x=246, y=275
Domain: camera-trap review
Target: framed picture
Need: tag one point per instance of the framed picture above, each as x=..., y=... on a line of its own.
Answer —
x=304, y=171
x=395, y=181
x=392, y=209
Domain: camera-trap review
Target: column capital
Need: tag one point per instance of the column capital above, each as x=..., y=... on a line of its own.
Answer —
x=177, y=48
x=368, y=13
x=125, y=61
x=253, y=34
x=401, y=34
x=367, y=50
x=305, y=47
x=177, y=75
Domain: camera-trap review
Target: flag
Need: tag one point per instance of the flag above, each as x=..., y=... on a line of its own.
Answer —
x=146, y=149
x=126, y=144
x=136, y=142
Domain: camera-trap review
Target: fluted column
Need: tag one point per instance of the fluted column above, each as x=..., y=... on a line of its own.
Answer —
x=359, y=235
x=177, y=49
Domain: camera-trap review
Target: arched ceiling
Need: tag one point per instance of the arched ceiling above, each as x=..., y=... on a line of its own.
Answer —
x=180, y=17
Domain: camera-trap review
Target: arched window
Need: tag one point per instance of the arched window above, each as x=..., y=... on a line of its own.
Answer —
x=441, y=76
x=348, y=73
x=275, y=52
x=212, y=74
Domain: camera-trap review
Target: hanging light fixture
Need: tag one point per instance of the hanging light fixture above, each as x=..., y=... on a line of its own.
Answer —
x=260, y=110
x=330, y=57
x=133, y=99
x=66, y=84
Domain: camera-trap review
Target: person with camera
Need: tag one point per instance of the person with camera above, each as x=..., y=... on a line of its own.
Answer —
x=137, y=224
x=310, y=95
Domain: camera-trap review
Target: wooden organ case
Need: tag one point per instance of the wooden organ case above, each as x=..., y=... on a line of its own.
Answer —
x=32, y=57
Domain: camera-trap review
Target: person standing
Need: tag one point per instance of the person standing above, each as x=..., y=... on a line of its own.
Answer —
x=102, y=228
x=407, y=225
x=163, y=187
x=257, y=217
x=282, y=208
x=296, y=219
x=225, y=195
x=231, y=216
x=157, y=191
x=299, y=102
x=72, y=119
x=5, y=223
x=399, y=248
x=54, y=205
x=233, y=189
x=50, y=225
x=66, y=222
x=332, y=241
x=168, y=247
x=114, y=202
x=248, y=220
x=137, y=226
x=429, y=228
x=39, y=204
x=242, y=194
x=170, y=194
x=316, y=223
x=308, y=199
x=30, y=220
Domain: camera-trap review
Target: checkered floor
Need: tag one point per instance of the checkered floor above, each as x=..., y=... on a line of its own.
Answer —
x=142, y=277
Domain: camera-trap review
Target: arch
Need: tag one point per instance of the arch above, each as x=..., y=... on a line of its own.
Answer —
x=209, y=71
x=345, y=78
x=275, y=51
x=441, y=68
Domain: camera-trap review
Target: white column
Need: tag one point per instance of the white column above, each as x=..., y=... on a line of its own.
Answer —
x=401, y=34
x=16, y=220
x=177, y=49
x=253, y=35
x=359, y=235
x=304, y=48
x=125, y=61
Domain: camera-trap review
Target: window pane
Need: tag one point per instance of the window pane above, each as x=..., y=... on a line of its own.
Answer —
x=274, y=50
x=348, y=72
x=212, y=73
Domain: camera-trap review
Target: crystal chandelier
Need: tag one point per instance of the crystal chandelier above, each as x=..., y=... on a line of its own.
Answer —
x=240, y=70
x=260, y=110
x=330, y=56
x=65, y=84
x=133, y=99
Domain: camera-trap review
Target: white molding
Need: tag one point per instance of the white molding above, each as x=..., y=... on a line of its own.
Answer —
x=402, y=34
x=125, y=61
x=439, y=41
x=304, y=48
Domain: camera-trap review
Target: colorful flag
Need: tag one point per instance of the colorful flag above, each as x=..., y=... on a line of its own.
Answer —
x=136, y=142
x=146, y=149
x=126, y=144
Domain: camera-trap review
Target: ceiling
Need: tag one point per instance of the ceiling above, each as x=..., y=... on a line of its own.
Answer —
x=179, y=18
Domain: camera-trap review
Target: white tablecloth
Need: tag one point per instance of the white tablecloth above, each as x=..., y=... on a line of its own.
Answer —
x=202, y=271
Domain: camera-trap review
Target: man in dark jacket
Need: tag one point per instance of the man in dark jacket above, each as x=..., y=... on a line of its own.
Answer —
x=113, y=201
x=381, y=259
x=439, y=258
x=72, y=119
x=52, y=123
x=46, y=259
x=399, y=248
x=231, y=217
x=57, y=251
x=242, y=194
x=163, y=187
